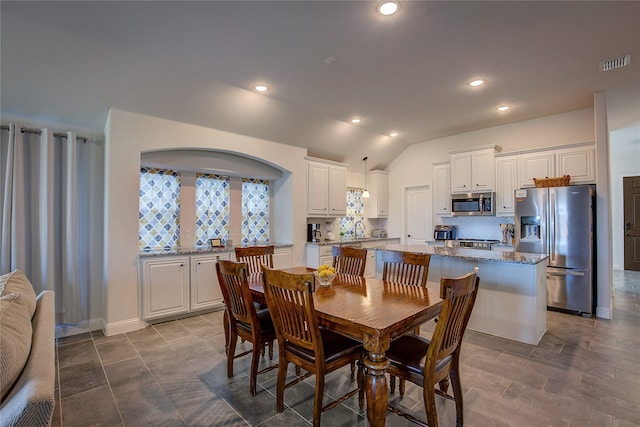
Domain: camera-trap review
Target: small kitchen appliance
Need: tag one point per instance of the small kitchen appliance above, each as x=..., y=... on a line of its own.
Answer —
x=444, y=232
x=379, y=233
x=313, y=233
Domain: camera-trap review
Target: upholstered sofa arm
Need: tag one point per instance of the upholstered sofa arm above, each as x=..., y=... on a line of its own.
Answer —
x=31, y=400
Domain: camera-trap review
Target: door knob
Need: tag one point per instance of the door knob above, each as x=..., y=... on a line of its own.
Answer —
x=627, y=225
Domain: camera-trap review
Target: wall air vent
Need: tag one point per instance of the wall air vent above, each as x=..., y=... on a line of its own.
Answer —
x=615, y=63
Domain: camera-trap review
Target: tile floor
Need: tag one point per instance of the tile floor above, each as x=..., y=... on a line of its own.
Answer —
x=584, y=372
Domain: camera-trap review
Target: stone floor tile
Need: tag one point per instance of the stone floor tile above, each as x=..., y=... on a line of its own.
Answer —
x=77, y=413
x=81, y=377
x=76, y=353
x=116, y=351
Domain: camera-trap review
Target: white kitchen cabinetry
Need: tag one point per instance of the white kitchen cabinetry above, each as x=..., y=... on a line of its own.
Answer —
x=506, y=183
x=577, y=162
x=370, y=266
x=282, y=258
x=205, y=289
x=442, y=189
x=326, y=189
x=316, y=255
x=472, y=171
x=165, y=286
x=536, y=165
x=377, y=205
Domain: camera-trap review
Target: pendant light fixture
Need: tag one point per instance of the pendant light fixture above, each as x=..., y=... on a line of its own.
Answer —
x=365, y=193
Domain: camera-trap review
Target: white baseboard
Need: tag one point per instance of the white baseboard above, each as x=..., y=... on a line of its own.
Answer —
x=123, y=326
x=63, y=330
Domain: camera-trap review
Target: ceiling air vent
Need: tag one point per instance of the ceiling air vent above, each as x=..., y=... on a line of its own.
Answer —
x=615, y=63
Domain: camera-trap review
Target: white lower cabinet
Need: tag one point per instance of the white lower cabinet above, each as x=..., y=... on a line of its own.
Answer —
x=176, y=285
x=165, y=286
x=370, y=266
x=205, y=288
x=282, y=258
x=181, y=284
x=316, y=255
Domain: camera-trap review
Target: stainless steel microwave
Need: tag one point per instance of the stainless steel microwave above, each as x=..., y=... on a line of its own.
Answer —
x=472, y=204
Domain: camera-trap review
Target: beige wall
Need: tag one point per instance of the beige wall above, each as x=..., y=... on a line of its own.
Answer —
x=129, y=134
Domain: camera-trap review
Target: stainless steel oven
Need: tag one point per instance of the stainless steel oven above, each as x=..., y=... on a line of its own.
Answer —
x=472, y=204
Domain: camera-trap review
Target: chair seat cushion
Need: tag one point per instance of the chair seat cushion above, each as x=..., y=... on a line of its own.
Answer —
x=335, y=346
x=409, y=353
x=266, y=324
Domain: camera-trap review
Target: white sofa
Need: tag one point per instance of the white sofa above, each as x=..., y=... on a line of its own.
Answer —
x=27, y=353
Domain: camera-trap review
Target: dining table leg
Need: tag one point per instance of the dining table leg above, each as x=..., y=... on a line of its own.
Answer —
x=376, y=388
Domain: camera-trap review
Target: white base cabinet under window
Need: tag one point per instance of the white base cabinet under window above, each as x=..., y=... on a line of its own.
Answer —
x=205, y=288
x=165, y=287
x=177, y=285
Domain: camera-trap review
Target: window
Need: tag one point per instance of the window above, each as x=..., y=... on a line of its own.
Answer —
x=255, y=211
x=159, y=209
x=355, y=214
x=212, y=208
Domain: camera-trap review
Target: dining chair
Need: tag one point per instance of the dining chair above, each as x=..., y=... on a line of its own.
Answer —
x=301, y=341
x=405, y=267
x=255, y=256
x=349, y=260
x=242, y=319
x=427, y=362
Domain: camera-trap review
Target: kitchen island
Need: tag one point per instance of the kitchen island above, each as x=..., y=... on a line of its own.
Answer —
x=512, y=298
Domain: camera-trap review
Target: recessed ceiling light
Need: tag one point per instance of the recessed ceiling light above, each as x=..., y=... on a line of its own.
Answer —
x=262, y=88
x=503, y=108
x=356, y=120
x=388, y=8
x=476, y=83
x=393, y=133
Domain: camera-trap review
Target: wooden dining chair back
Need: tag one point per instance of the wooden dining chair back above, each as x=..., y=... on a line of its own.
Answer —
x=242, y=319
x=429, y=362
x=405, y=267
x=349, y=260
x=255, y=256
x=301, y=341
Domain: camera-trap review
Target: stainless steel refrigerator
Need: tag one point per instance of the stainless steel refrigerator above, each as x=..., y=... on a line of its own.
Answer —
x=559, y=221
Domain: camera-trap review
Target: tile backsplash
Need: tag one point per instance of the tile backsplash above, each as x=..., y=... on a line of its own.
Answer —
x=478, y=227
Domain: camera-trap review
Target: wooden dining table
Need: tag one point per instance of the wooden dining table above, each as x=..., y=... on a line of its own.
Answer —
x=373, y=312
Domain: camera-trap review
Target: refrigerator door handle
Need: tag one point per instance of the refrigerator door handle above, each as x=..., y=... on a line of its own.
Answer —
x=566, y=273
x=552, y=225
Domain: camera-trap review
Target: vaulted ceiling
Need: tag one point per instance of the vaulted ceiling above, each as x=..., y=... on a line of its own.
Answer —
x=198, y=62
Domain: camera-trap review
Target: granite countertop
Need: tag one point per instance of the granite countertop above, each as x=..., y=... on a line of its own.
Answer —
x=350, y=240
x=473, y=254
x=197, y=251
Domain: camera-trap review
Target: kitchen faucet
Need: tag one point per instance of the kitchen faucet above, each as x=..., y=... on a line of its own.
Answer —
x=355, y=228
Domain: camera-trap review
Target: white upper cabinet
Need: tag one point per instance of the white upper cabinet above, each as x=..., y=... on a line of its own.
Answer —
x=506, y=184
x=377, y=205
x=473, y=171
x=577, y=162
x=461, y=173
x=326, y=189
x=337, y=191
x=442, y=189
x=536, y=165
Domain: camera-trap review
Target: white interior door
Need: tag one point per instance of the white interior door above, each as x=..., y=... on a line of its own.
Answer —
x=418, y=220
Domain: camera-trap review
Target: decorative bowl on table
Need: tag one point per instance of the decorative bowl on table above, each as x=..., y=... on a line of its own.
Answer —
x=325, y=275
